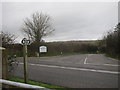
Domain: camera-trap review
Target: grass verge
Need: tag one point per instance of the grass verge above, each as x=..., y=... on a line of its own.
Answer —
x=38, y=84
x=111, y=56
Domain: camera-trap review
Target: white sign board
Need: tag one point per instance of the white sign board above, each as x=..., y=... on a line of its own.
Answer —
x=43, y=49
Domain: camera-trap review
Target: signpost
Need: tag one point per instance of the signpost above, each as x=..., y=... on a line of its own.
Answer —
x=25, y=42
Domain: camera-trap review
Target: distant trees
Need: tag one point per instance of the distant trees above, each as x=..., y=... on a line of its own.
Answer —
x=7, y=38
x=8, y=41
x=71, y=47
x=102, y=45
x=54, y=48
x=37, y=27
x=112, y=41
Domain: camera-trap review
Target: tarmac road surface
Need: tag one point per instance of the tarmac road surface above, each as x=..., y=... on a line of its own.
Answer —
x=75, y=71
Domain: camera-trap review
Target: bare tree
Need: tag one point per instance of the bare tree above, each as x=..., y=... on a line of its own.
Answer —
x=7, y=38
x=37, y=27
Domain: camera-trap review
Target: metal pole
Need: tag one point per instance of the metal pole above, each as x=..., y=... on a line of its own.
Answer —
x=25, y=64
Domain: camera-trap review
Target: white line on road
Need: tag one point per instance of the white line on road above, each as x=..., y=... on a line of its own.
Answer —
x=111, y=65
x=104, y=64
x=71, y=68
x=113, y=59
x=85, y=60
x=90, y=55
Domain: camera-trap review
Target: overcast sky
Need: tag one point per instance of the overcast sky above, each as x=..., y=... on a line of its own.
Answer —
x=71, y=20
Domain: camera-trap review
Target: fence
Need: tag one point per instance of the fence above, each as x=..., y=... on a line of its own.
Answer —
x=4, y=75
x=11, y=84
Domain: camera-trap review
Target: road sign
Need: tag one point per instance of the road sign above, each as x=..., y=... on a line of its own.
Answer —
x=43, y=49
x=25, y=41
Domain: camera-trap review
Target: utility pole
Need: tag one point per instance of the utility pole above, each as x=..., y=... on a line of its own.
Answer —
x=25, y=42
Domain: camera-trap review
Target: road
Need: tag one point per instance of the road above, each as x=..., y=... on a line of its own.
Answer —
x=75, y=71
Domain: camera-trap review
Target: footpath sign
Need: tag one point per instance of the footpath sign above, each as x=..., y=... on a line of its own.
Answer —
x=42, y=49
x=25, y=41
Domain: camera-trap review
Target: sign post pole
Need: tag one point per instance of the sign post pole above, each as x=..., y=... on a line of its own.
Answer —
x=25, y=42
x=25, y=64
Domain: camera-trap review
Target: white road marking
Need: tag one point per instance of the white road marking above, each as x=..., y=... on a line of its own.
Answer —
x=90, y=55
x=113, y=59
x=72, y=68
x=111, y=65
x=104, y=64
x=85, y=60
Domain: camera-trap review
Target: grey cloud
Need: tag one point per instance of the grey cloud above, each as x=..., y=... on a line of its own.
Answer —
x=72, y=21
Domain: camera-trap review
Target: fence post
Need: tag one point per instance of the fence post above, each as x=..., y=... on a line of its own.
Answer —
x=4, y=64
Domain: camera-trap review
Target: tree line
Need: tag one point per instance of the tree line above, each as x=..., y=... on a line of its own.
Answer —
x=111, y=42
x=55, y=48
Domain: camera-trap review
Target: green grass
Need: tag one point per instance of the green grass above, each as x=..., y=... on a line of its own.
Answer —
x=112, y=56
x=38, y=84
